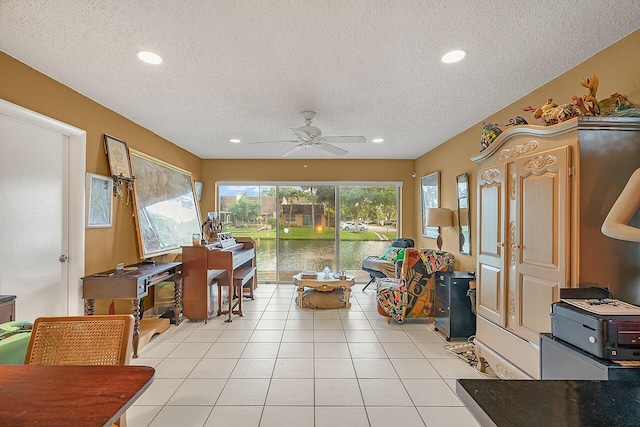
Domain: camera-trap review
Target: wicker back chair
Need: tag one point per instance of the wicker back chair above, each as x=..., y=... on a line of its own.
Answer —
x=81, y=340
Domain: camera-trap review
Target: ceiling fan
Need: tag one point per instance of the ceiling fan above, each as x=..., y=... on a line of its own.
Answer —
x=308, y=136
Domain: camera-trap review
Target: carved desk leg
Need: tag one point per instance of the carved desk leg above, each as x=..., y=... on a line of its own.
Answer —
x=300, y=290
x=135, y=310
x=177, y=299
x=89, y=306
x=347, y=292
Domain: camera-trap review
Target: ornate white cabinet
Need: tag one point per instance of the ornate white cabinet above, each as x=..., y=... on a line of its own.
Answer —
x=542, y=195
x=526, y=211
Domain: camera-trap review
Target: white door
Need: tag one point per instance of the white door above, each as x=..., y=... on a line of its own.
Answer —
x=540, y=243
x=491, y=292
x=36, y=222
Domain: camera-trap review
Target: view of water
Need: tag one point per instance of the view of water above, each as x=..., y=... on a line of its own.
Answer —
x=298, y=255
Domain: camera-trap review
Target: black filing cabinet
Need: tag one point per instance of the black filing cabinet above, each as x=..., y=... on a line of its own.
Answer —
x=453, y=314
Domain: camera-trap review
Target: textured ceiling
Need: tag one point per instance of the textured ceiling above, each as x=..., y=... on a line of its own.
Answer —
x=246, y=69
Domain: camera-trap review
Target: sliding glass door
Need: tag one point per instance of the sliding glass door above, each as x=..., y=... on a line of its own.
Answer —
x=311, y=226
x=368, y=224
x=306, y=234
x=251, y=211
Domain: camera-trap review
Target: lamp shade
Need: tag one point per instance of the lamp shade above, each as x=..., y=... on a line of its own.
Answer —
x=438, y=217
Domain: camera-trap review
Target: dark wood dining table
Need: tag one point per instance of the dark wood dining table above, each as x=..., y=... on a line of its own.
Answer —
x=37, y=395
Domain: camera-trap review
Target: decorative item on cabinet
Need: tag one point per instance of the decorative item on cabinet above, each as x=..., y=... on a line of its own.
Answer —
x=588, y=105
x=490, y=132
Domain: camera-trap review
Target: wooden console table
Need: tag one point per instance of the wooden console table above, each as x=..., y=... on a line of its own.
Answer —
x=132, y=283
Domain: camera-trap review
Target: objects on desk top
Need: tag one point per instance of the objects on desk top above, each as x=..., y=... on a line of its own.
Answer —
x=226, y=239
x=308, y=274
x=7, y=298
x=605, y=306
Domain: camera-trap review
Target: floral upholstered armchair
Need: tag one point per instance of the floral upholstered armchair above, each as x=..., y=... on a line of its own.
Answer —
x=412, y=294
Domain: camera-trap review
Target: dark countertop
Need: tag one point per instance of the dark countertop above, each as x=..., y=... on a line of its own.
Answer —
x=550, y=403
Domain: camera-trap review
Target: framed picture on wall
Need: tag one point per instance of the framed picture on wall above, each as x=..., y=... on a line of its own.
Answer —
x=165, y=208
x=118, y=156
x=99, y=201
x=429, y=186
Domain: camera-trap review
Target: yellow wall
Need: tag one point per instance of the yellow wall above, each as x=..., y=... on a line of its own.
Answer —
x=28, y=88
x=618, y=70
x=617, y=67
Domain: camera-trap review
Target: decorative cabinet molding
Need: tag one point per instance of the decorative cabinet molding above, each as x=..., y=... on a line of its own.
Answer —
x=538, y=163
x=519, y=150
x=490, y=175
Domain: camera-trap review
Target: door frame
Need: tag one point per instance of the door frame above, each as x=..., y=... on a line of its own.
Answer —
x=76, y=155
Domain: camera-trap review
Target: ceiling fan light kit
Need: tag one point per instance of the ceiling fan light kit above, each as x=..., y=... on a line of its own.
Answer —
x=309, y=136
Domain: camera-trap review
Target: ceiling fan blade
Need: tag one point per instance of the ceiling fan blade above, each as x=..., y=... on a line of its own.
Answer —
x=330, y=148
x=344, y=139
x=293, y=150
x=271, y=142
x=300, y=134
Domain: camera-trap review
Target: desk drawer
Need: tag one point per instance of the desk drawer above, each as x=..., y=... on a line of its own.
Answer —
x=442, y=287
x=442, y=320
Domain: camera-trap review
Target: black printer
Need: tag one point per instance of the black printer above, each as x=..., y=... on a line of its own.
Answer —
x=606, y=328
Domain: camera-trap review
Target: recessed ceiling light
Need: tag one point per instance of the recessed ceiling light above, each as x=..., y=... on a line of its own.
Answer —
x=149, y=57
x=378, y=140
x=453, y=56
x=235, y=140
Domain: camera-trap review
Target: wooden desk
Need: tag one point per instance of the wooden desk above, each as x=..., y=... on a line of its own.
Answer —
x=551, y=403
x=69, y=395
x=132, y=284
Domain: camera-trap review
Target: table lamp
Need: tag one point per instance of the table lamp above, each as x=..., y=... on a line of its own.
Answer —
x=438, y=217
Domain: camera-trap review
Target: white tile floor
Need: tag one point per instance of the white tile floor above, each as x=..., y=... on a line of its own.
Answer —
x=281, y=366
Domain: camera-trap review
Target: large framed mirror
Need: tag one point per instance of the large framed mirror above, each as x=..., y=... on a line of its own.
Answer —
x=462, y=183
x=429, y=194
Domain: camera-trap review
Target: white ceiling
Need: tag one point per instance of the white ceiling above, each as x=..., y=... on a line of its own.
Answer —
x=246, y=69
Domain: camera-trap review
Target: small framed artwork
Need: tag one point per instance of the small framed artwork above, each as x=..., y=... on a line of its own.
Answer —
x=118, y=156
x=429, y=194
x=198, y=186
x=99, y=201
